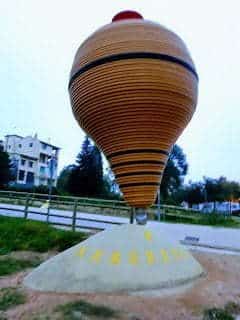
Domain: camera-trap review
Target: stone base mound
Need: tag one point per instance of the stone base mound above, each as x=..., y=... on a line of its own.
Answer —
x=123, y=258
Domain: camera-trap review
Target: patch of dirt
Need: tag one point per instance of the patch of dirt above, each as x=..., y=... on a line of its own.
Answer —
x=221, y=285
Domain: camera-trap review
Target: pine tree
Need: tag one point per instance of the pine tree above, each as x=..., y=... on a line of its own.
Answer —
x=86, y=178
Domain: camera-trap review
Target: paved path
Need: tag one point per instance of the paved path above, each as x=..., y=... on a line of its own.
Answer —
x=209, y=236
x=80, y=215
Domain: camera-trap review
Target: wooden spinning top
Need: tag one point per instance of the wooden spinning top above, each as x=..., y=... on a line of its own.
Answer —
x=133, y=89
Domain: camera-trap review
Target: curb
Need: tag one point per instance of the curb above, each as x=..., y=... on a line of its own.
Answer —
x=209, y=246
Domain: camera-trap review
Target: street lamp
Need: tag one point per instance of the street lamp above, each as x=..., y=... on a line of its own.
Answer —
x=52, y=161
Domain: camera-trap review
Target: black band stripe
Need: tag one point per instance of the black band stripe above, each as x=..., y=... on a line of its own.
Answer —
x=133, y=55
x=126, y=163
x=140, y=173
x=122, y=153
x=139, y=184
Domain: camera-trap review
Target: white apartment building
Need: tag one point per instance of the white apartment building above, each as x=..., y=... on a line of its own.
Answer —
x=35, y=161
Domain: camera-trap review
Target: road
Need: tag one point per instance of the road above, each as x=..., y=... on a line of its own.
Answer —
x=207, y=236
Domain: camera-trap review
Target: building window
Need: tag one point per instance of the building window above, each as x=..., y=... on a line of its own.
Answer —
x=30, y=144
x=42, y=170
x=9, y=147
x=21, y=175
x=20, y=146
x=44, y=146
x=23, y=162
x=30, y=178
x=42, y=158
x=30, y=164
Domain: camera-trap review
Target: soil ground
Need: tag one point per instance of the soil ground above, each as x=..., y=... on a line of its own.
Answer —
x=219, y=286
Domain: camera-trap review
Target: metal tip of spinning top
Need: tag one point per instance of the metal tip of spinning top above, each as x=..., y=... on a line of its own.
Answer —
x=141, y=216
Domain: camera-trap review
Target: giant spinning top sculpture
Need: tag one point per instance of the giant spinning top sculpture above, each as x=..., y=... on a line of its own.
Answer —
x=133, y=89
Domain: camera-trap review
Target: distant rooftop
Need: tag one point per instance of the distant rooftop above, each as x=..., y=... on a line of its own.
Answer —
x=43, y=142
x=13, y=135
x=49, y=144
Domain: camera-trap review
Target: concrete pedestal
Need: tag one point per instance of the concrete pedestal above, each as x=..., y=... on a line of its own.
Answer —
x=123, y=258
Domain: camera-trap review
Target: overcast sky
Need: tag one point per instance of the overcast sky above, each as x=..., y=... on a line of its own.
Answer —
x=38, y=43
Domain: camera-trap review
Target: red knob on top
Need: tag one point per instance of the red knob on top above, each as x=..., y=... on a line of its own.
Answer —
x=127, y=14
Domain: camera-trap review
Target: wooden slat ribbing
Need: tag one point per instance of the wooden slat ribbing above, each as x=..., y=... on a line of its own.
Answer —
x=136, y=104
x=130, y=36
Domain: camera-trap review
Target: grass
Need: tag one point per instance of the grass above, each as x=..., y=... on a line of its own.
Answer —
x=10, y=297
x=11, y=265
x=72, y=310
x=217, y=314
x=227, y=313
x=232, y=307
x=46, y=317
x=19, y=234
x=212, y=219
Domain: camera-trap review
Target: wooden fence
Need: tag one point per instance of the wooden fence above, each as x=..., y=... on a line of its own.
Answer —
x=30, y=204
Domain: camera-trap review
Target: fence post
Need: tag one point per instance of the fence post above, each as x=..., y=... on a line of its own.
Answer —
x=48, y=208
x=163, y=212
x=132, y=214
x=74, y=215
x=115, y=209
x=26, y=207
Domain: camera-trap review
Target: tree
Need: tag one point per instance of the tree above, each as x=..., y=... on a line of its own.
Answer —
x=63, y=179
x=5, y=169
x=14, y=168
x=86, y=177
x=221, y=189
x=194, y=193
x=174, y=173
x=211, y=190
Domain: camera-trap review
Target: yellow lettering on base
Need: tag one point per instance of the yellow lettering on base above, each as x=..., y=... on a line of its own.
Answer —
x=115, y=257
x=148, y=235
x=81, y=252
x=150, y=257
x=133, y=258
x=164, y=255
x=96, y=257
